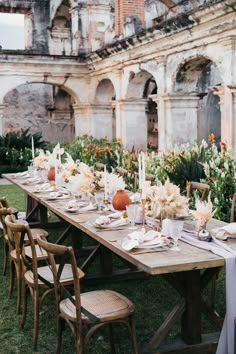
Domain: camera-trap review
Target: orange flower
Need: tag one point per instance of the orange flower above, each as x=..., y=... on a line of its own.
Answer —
x=119, y=139
x=211, y=138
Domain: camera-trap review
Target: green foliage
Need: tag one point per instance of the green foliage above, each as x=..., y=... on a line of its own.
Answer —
x=15, y=150
x=91, y=150
x=186, y=168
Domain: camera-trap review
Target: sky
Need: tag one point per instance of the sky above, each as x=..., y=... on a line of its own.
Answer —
x=11, y=31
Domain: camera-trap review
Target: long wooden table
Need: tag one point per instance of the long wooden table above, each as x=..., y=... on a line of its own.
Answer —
x=188, y=271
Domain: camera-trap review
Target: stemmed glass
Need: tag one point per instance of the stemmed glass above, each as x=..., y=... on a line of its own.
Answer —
x=132, y=212
x=175, y=229
x=99, y=197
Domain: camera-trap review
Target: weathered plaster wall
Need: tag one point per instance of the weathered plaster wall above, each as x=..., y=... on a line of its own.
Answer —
x=27, y=107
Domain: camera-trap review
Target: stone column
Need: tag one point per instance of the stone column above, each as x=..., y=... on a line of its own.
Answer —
x=2, y=106
x=28, y=22
x=102, y=120
x=83, y=119
x=226, y=108
x=75, y=30
x=233, y=91
x=177, y=119
x=132, y=123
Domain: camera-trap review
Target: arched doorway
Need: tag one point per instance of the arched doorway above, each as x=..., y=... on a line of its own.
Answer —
x=43, y=108
x=142, y=86
x=150, y=88
x=104, y=110
x=196, y=76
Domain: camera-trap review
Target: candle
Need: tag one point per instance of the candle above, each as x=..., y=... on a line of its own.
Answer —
x=105, y=182
x=59, y=155
x=32, y=148
x=143, y=172
x=139, y=172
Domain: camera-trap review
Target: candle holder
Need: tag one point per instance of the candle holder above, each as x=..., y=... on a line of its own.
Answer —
x=143, y=203
x=106, y=203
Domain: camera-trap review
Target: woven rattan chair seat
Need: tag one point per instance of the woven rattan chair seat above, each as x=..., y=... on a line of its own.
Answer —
x=40, y=253
x=37, y=232
x=104, y=304
x=46, y=273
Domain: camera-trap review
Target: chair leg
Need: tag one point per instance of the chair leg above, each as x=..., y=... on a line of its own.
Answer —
x=5, y=256
x=133, y=334
x=36, y=318
x=12, y=277
x=79, y=341
x=60, y=325
x=24, y=305
x=111, y=338
x=19, y=284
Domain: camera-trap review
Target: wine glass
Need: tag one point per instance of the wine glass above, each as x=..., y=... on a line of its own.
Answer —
x=132, y=212
x=99, y=197
x=175, y=229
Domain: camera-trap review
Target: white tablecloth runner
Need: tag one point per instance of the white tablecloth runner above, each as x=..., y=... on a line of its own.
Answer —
x=226, y=341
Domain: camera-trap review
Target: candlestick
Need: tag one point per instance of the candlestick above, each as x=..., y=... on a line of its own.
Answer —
x=32, y=147
x=143, y=175
x=139, y=172
x=105, y=183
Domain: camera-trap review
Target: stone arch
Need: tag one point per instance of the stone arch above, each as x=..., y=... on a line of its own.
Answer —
x=60, y=40
x=105, y=91
x=143, y=85
x=194, y=77
x=104, y=109
x=44, y=108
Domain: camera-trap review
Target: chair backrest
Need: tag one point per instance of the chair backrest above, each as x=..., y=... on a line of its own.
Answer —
x=233, y=208
x=121, y=171
x=63, y=254
x=148, y=177
x=16, y=231
x=4, y=210
x=98, y=166
x=4, y=202
x=203, y=188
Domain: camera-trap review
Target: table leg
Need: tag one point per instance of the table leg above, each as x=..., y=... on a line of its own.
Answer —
x=191, y=319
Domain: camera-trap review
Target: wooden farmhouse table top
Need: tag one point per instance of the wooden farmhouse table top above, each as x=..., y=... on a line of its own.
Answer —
x=159, y=262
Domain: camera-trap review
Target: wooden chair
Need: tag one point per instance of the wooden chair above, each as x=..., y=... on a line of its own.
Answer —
x=87, y=311
x=203, y=188
x=32, y=276
x=148, y=177
x=233, y=205
x=15, y=257
x=98, y=166
x=5, y=209
x=121, y=171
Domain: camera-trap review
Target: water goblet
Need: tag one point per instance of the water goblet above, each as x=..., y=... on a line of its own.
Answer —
x=99, y=197
x=175, y=229
x=132, y=212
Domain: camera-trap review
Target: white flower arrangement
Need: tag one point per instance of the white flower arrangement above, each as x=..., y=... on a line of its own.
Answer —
x=167, y=202
x=204, y=211
x=114, y=183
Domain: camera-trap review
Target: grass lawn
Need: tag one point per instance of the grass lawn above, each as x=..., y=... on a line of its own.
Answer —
x=153, y=298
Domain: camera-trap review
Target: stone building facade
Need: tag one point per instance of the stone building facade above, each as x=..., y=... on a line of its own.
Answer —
x=150, y=71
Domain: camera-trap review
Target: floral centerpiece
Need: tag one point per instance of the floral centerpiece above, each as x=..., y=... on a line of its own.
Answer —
x=204, y=212
x=167, y=202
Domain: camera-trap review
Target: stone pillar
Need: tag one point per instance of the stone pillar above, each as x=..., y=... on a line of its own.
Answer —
x=102, y=120
x=177, y=120
x=2, y=106
x=83, y=119
x=233, y=91
x=226, y=108
x=75, y=30
x=28, y=30
x=132, y=123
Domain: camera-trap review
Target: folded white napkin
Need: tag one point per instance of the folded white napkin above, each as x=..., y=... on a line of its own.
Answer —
x=138, y=238
x=108, y=219
x=222, y=233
